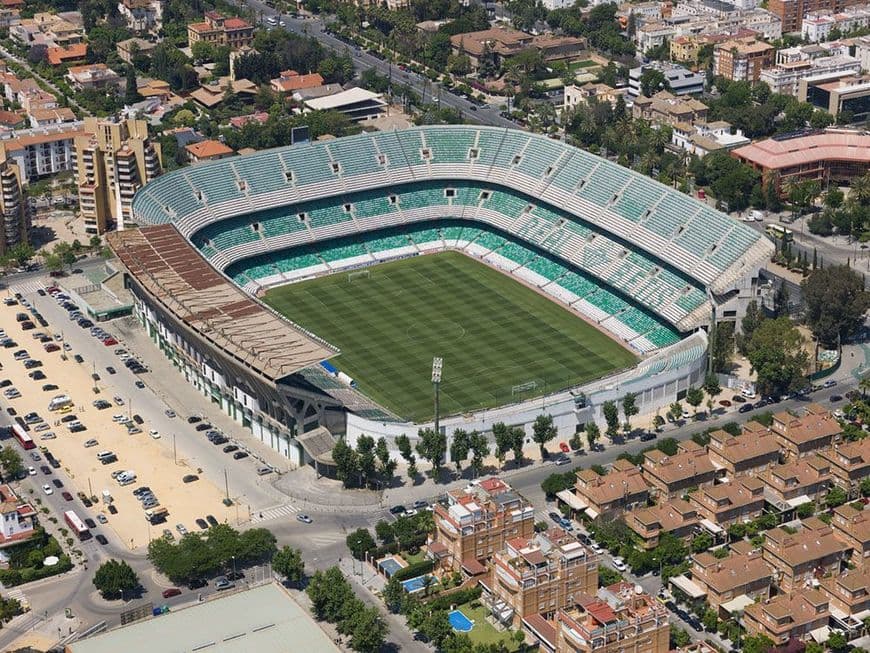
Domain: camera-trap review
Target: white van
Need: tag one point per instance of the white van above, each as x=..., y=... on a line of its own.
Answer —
x=105, y=454
x=60, y=401
x=125, y=477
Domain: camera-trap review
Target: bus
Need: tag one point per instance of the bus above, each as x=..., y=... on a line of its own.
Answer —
x=23, y=439
x=77, y=525
x=780, y=233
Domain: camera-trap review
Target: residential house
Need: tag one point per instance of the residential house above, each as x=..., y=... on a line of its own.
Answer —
x=848, y=593
x=500, y=43
x=289, y=81
x=259, y=117
x=803, y=480
x=18, y=523
x=11, y=120
x=801, y=558
x=622, y=488
x=724, y=504
x=474, y=523
x=802, y=436
x=617, y=619
x=742, y=60
x=212, y=94
x=702, y=138
x=42, y=152
x=788, y=616
x=93, y=76
x=738, y=574
x=665, y=108
x=42, y=117
x=674, y=516
x=745, y=455
x=73, y=54
x=852, y=527
x=850, y=464
x=142, y=15
x=539, y=575
x=220, y=30
x=129, y=48
x=591, y=92
x=672, y=476
x=208, y=150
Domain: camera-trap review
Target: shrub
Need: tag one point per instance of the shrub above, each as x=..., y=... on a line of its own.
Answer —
x=414, y=570
x=467, y=595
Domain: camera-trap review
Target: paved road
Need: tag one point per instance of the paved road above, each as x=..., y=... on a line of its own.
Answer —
x=58, y=93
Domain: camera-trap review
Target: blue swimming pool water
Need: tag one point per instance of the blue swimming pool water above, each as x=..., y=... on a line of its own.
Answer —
x=460, y=622
x=413, y=584
x=390, y=566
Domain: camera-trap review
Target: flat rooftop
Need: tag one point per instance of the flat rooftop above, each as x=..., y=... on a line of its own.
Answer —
x=265, y=619
x=164, y=263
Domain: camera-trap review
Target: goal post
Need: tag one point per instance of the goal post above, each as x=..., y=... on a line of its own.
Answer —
x=358, y=274
x=524, y=388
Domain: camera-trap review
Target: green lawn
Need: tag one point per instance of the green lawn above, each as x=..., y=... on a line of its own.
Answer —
x=492, y=332
x=484, y=632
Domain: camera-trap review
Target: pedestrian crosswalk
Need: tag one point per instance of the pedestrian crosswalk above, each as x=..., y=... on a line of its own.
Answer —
x=26, y=287
x=274, y=513
x=18, y=594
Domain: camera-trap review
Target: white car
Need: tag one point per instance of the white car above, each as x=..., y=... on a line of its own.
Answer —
x=154, y=433
x=596, y=548
x=91, y=443
x=619, y=564
x=47, y=489
x=31, y=471
x=119, y=418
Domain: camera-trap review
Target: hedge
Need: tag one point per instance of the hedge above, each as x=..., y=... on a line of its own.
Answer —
x=414, y=570
x=460, y=597
x=13, y=577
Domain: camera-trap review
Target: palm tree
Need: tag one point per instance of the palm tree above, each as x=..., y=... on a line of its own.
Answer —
x=864, y=384
x=859, y=193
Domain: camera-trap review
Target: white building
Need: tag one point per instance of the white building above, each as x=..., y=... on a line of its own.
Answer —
x=43, y=151
x=817, y=25
x=702, y=138
x=653, y=34
x=142, y=15
x=862, y=51
x=16, y=518
x=785, y=77
x=681, y=80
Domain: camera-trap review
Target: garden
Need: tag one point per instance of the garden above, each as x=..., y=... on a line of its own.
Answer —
x=27, y=561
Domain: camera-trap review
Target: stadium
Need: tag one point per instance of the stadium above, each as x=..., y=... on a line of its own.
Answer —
x=311, y=286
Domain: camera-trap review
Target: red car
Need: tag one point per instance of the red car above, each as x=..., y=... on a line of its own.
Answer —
x=725, y=403
x=109, y=342
x=564, y=447
x=67, y=496
x=172, y=591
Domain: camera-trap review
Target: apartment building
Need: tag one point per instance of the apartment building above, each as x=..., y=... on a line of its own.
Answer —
x=852, y=527
x=800, y=558
x=817, y=25
x=591, y=92
x=539, y=575
x=727, y=503
x=622, y=488
x=786, y=617
x=674, y=516
x=742, y=573
x=742, y=60
x=114, y=159
x=850, y=464
x=681, y=80
x=93, y=76
x=474, y=523
x=785, y=77
x=620, y=618
x=702, y=138
x=43, y=151
x=745, y=455
x=802, y=436
x=220, y=30
x=800, y=481
x=664, y=108
x=13, y=207
x=142, y=15
x=848, y=593
x=792, y=12
x=17, y=523
x=128, y=48
x=671, y=476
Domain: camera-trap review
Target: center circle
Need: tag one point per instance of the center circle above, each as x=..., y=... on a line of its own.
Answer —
x=443, y=328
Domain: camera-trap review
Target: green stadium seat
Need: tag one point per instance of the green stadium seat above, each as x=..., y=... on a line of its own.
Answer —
x=355, y=155
x=451, y=145
x=260, y=174
x=308, y=163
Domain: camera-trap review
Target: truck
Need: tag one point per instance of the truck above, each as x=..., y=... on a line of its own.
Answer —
x=107, y=497
x=156, y=516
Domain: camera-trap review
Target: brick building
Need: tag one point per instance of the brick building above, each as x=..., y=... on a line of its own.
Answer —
x=786, y=617
x=746, y=455
x=800, y=558
x=724, y=579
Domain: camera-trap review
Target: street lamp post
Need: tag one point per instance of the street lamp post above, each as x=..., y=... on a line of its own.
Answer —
x=234, y=567
x=437, y=364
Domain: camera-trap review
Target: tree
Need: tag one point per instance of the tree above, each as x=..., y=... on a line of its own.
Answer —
x=776, y=352
x=11, y=463
x=801, y=194
x=835, y=303
x=557, y=482
x=676, y=410
x=459, y=448
x=404, y=445
x=114, y=579
x=836, y=497
x=543, y=431
x=52, y=263
x=368, y=630
x=838, y=643
x=652, y=81
x=432, y=445
x=629, y=407
x=360, y=542
x=386, y=464
x=694, y=397
x=701, y=542
x=288, y=562
x=722, y=337
x=502, y=435
x=611, y=416
x=711, y=385
x=516, y=437
x=394, y=594
x=131, y=92
x=21, y=254
x=757, y=644
x=750, y=322
x=834, y=198
x=710, y=620
x=365, y=458
x=479, y=446
x=346, y=462
x=592, y=434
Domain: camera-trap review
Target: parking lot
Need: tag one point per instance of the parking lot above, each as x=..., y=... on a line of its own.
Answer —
x=97, y=420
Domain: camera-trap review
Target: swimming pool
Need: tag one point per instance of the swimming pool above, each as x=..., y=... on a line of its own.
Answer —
x=390, y=566
x=415, y=584
x=460, y=623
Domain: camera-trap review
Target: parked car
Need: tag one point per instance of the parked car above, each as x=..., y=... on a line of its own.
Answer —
x=190, y=478
x=211, y=520
x=171, y=591
x=99, y=537
x=305, y=519
x=239, y=455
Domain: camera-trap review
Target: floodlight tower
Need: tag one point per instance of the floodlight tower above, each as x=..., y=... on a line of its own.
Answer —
x=436, y=383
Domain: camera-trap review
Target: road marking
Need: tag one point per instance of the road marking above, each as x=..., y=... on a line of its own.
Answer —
x=27, y=287
x=17, y=594
x=274, y=513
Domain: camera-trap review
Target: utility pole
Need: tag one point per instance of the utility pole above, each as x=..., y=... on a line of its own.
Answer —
x=226, y=485
x=174, y=450
x=436, y=384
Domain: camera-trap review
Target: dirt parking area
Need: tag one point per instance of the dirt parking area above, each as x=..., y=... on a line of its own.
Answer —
x=150, y=458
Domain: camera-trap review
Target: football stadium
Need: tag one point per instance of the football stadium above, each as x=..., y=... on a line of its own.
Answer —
x=311, y=286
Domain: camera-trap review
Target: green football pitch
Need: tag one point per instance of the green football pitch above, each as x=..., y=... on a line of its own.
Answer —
x=500, y=341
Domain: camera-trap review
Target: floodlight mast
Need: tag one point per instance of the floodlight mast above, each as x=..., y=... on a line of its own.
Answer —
x=437, y=363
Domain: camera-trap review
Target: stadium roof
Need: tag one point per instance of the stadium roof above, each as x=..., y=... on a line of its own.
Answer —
x=339, y=100
x=264, y=619
x=788, y=153
x=162, y=261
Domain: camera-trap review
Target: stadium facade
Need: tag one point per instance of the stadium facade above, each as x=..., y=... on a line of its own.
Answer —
x=650, y=266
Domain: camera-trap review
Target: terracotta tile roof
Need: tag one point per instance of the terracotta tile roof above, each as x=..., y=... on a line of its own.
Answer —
x=606, y=489
x=854, y=523
x=669, y=515
x=236, y=23
x=726, y=496
x=57, y=55
x=736, y=570
x=849, y=455
x=684, y=465
x=808, y=544
x=544, y=629
x=289, y=83
x=777, y=154
x=10, y=118
x=743, y=448
x=797, y=474
x=208, y=149
x=799, y=608
x=61, y=114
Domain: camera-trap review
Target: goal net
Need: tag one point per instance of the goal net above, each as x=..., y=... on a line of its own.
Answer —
x=357, y=274
x=524, y=388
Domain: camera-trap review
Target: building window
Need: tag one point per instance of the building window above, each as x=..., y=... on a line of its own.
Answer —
x=347, y=208
x=392, y=199
x=485, y=195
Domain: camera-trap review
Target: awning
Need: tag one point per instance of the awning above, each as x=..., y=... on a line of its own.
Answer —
x=593, y=514
x=821, y=635
x=572, y=500
x=737, y=604
x=473, y=567
x=798, y=501
x=688, y=586
x=716, y=529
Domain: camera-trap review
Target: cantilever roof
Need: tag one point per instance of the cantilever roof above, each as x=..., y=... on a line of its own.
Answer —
x=173, y=271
